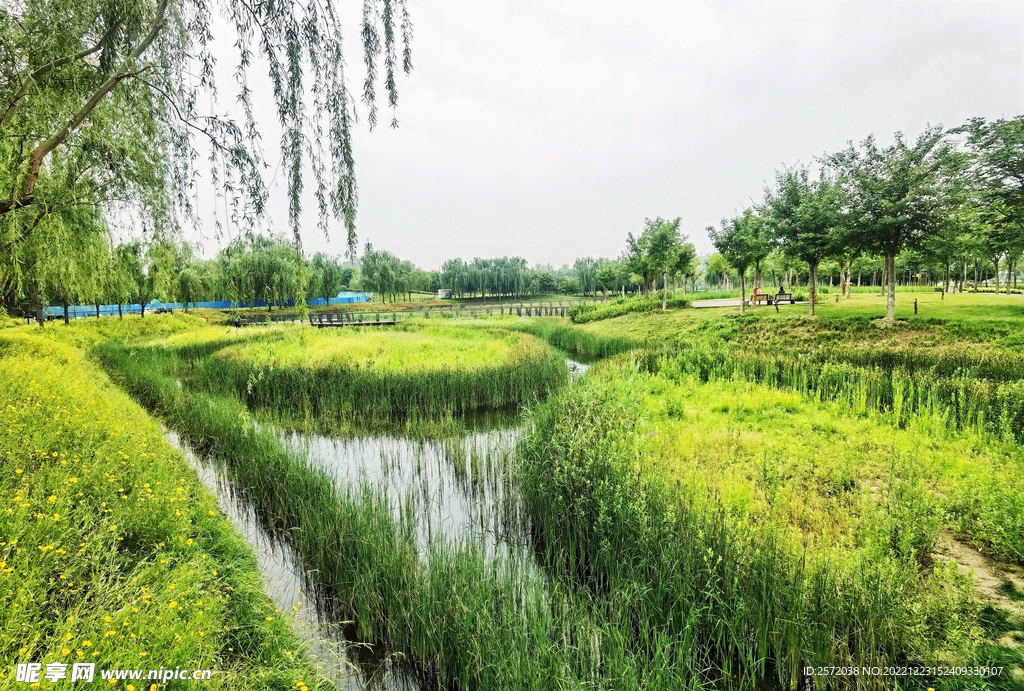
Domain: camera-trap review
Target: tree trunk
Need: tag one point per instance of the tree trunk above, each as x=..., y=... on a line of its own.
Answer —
x=664, y=291
x=757, y=274
x=849, y=277
x=97, y=310
x=119, y=313
x=813, y=285
x=38, y=303
x=975, y=275
x=743, y=292
x=995, y=260
x=64, y=303
x=890, y=303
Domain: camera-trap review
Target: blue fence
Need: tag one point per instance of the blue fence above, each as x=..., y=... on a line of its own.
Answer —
x=80, y=311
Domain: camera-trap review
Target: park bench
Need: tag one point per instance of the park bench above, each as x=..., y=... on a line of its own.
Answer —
x=760, y=299
x=784, y=298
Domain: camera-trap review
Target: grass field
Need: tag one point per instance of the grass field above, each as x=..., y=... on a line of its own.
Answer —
x=963, y=318
x=111, y=550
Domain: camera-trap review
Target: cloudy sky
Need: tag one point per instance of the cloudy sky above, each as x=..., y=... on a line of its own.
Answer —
x=549, y=129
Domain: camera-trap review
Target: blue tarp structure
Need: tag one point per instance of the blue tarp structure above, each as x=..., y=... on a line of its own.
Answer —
x=80, y=311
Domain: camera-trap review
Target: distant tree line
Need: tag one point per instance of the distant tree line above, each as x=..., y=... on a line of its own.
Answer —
x=248, y=269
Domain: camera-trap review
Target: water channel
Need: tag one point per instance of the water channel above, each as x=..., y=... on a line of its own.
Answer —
x=456, y=488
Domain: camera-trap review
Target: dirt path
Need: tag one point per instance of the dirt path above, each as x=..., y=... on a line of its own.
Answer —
x=998, y=584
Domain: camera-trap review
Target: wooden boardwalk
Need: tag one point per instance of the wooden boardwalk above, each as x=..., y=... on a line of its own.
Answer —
x=339, y=319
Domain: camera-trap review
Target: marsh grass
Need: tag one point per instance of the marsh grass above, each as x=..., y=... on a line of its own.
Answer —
x=111, y=550
x=416, y=371
x=749, y=554
x=459, y=619
x=905, y=383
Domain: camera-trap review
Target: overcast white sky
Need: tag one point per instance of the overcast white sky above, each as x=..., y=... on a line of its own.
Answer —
x=549, y=129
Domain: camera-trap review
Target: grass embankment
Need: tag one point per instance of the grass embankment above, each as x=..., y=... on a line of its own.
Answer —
x=584, y=312
x=111, y=550
x=971, y=318
x=416, y=370
x=755, y=531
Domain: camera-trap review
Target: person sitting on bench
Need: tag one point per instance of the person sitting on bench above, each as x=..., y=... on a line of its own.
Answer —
x=782, y=291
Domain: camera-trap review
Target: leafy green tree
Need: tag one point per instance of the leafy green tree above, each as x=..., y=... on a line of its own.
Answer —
x=718, y=267
x=547, y=282
x=686, y=264
x=998, y=147
x=382, y=274
x=586, y=272
x=741, y=242
x=113, y=87
x=805, y=213
x=327, y=276
x=894, y=194
x=197, y=280
x=654, y=252
x=569, y=285
x=608, y=275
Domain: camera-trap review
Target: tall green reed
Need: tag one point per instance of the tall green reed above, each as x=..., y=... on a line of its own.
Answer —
x=735, y=603
x=961, y=399
x=457, y=618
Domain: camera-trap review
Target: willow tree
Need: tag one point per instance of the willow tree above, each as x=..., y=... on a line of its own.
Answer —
x=101, y=104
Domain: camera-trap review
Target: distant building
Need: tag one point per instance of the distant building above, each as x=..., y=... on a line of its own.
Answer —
x=444, y=293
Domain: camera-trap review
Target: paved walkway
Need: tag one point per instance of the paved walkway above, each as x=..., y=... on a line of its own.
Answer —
x=716, y=303
x=735, y=302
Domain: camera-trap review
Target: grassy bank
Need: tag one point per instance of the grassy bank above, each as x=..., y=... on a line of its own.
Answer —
x=416, y=370
x=112, y=551
x=757, y=531
x=584, y=312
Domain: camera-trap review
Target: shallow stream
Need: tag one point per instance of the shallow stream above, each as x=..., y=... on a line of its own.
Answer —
x=456, y=489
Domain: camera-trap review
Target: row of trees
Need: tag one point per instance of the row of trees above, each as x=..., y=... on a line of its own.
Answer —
x=257, y=268
x=952, y=198
x=658, y=255
x=912, y=268
x=512, y=278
